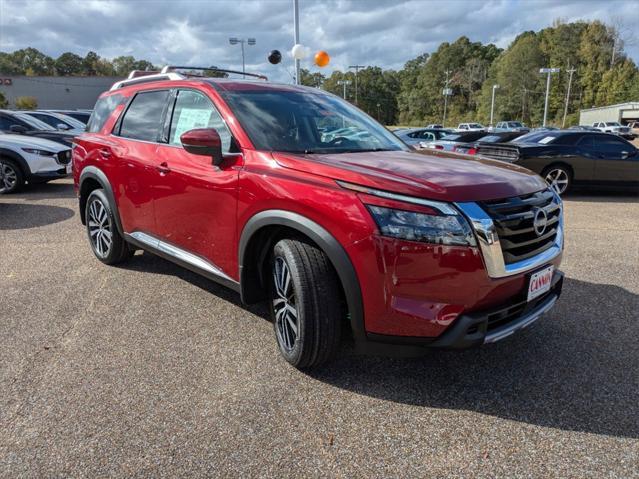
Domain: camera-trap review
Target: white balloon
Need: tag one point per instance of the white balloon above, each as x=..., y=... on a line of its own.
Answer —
x=299, y=52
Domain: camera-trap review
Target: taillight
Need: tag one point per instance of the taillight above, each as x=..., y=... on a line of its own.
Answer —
x=439, y=147
x=471, y=151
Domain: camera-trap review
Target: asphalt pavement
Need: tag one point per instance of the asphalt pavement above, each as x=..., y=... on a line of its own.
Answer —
x=149, y=370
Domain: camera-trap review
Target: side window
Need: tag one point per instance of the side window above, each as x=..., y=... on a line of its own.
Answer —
x=143, y=119
x=611, y=146
x=5, y=123
x=102, y=111
x=49, y=120
x=195, y=110
x=586, y=142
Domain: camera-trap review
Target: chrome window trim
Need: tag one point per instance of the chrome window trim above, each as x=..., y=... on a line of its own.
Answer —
x=488, y=241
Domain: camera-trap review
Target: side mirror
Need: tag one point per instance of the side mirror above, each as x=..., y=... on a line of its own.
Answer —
x=17, y=129
x=62, y=126
x=203, y=142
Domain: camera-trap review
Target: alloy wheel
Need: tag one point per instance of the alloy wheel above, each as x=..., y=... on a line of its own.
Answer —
x=558, y=180
x=100, y=229
x=284, y=305
x=8, y=177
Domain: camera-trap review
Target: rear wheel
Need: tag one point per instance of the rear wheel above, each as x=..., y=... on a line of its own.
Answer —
x=11, y=177
x=305, y=303
x=105, y=239
x=558, y=178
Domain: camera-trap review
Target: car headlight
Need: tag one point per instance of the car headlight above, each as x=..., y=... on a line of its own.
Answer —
x=35, y=151
x=452, y=230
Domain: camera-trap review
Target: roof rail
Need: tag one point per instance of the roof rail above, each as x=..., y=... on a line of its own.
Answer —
x=135, y=78
x=169, y=68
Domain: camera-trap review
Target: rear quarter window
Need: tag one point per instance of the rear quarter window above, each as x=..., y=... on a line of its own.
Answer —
x=103, y=109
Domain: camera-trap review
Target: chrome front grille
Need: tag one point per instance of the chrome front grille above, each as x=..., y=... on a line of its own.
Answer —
x=514, y=220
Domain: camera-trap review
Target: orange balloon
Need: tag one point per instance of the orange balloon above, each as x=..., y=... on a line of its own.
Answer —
x=322, y=58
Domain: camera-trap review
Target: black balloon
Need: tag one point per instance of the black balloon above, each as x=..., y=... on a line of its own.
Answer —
x=275, y=57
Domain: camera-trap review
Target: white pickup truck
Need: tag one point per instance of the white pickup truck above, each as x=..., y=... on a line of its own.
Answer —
x=615, y=128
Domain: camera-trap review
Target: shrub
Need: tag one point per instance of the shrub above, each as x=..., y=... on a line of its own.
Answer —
x=26, y=103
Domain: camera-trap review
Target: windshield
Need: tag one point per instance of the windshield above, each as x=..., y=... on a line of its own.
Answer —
x=541, y=137
x=72, y=122
x=307, y=122
x=612, y=123
x=515, y=124
x=476, y=125
x=34, y=122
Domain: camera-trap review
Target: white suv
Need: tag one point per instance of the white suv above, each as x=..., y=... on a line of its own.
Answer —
x=33, y=160
x=471, y=127
x=612, y=127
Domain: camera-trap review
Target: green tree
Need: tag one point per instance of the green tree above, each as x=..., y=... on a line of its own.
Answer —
x=3, y=101
x=315, y=79
x=68, y=64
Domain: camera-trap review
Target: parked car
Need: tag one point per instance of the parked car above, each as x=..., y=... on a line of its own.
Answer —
x=233, y=180
x=31, y=160
x=583, y=128
x=490, y=138
x=57, y=120
x=471, y=127
x=414, y=136
x=614, y=127
x=454, y=140
x=565, y=158
x=21, y=124
x=80, y=115
x=510, y=126
x=634, y=127
x=435, y=126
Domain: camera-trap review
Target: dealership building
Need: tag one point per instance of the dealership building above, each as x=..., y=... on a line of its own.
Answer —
x=623, y=113
x=61, y=93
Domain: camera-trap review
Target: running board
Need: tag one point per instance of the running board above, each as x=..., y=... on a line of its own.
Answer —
x=183, y=258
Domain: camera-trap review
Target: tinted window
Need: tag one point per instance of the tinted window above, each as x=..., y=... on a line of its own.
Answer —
x=194, y=110
x=82, y=117
x=102, y=111
x=30, y=122
x=143, y=118
x=307, y=121
x=49, y=120
x=610, y=144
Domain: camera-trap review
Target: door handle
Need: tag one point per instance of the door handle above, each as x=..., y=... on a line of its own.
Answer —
x=163, y=168
x=104, y=153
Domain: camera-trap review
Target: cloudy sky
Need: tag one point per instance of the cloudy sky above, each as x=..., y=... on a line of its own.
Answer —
x=366, y=32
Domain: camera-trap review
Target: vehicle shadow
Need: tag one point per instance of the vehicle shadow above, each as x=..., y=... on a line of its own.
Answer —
x=576, y=369
x=57, y=189
x=16, y=216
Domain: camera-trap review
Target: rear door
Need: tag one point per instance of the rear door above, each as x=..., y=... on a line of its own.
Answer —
x=134, y=148
x=617, y=161
x=195, y=201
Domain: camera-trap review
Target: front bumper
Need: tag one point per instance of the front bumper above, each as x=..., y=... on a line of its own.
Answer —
x=483, y=327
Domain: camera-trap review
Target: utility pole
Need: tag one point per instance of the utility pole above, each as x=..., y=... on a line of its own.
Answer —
x=548, y=71
x=446, y=93
x=492, y=104
x=357, y=69
x=296, y=26
x=379, y=115
x=344, y=83
x=523, y=103
x=571, y=71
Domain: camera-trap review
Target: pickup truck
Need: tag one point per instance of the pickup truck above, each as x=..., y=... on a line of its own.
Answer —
x=615, y=128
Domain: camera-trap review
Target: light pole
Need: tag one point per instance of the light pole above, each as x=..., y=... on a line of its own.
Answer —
x=296, y=28
x=241, y=41
x=344, y=83
x=492, y=104
x=548, y=71
x=379, y=115
x=357, y=69
x=446, y=92
x=571, y=71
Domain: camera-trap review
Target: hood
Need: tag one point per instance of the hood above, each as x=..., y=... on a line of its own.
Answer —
x=424, y=174
x=31, y=142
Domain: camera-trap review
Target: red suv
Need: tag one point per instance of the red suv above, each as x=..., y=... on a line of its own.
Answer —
x=293, y=196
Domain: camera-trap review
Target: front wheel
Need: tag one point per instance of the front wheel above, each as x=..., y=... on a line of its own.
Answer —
x=305, y=303
x=558, y=178
x=11, y=177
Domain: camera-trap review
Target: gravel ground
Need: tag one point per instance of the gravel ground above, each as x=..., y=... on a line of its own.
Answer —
x=149, y=370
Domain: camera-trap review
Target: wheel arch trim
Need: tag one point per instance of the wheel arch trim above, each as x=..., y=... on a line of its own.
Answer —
x=96, y=174
x=326, y=241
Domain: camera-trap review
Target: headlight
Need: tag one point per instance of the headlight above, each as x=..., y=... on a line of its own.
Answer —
x=34, y=151
x=451, y=230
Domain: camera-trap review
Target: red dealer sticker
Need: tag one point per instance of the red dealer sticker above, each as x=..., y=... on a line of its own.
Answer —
x=540, y=282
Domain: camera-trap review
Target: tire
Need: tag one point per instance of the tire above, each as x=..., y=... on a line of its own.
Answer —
x=105, y=239
x=558, y=177
x=11, y=177
x=304, y=303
